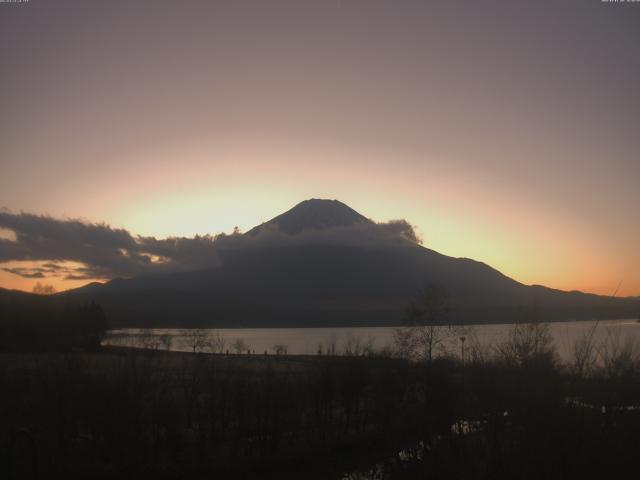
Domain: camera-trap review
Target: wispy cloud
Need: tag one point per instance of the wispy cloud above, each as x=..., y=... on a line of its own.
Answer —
x=25, y=272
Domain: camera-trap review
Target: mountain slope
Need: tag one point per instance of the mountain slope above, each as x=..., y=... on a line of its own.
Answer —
x=315, y=284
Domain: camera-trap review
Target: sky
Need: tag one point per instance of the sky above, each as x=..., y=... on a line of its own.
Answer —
x=504, y=131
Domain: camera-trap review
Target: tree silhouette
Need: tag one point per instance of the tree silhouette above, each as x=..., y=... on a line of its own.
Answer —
x=425, y=329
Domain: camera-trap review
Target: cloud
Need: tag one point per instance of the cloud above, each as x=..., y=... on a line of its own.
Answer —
x=363, y=234
x=79, y=250
x=101, y=251
x=25, y=272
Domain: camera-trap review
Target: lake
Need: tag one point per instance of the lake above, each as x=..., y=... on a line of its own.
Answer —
x=309, y=341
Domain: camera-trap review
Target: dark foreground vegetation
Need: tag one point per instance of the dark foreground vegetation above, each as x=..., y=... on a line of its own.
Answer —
x=126, y=414
x=69, y=409
x=42, y=323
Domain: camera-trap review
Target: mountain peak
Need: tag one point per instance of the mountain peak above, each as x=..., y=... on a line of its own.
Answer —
x=313, y=214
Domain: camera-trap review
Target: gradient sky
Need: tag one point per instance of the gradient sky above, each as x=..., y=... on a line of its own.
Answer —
x=506, y=131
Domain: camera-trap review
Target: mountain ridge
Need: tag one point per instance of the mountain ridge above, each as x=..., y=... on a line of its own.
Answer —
x=332, y=284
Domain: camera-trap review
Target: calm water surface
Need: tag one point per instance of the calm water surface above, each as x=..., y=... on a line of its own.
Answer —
x=308, y=341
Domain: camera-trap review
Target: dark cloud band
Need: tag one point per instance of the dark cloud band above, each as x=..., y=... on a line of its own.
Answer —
x=105, y=252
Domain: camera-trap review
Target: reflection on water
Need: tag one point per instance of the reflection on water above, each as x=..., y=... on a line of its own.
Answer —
x=356, y=340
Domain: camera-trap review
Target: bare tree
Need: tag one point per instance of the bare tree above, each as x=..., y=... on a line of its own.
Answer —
x=425, y=331
x=43, y=289
x=196, y=339
x=583, y=361
x=280, y=349
x=619, y=356
x=357, y=346
x=216, y=342
x=528, y=343
x=472, y=348
x=352, y=346
x=239, y=345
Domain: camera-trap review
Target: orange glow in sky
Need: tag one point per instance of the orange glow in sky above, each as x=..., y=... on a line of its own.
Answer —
x=493, y=129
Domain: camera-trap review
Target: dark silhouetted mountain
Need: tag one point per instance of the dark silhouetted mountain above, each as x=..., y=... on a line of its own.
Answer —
x=316, y=284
